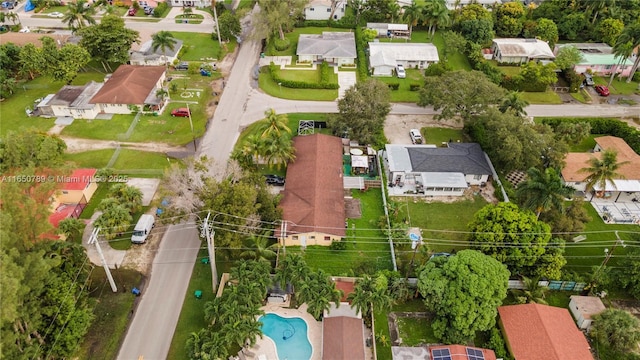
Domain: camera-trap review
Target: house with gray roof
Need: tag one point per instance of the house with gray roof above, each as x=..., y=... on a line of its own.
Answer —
x=385, y=56
x=336, y=48
x=435, y=171
x=520, y=51
x=71, y=101
x=147, y=56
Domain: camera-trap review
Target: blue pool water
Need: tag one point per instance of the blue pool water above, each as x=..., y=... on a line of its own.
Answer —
x=290, y=336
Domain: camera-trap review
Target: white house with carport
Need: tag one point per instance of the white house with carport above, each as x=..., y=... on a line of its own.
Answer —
x=325, y=9
x=520, y=51
x=390, y=30
x=385, y=56
x=147, y=56
x=435, y=171
x=336, y=48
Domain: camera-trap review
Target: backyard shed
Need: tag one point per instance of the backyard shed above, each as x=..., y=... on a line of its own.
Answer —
x=584, y=308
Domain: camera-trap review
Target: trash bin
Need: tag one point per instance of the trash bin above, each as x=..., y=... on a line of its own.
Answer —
x=198, y=294
x=204, y=260
x=262, y=55
x=135, y=291
x=185, y=21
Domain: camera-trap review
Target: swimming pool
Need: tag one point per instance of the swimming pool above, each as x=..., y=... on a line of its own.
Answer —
x=290, y=336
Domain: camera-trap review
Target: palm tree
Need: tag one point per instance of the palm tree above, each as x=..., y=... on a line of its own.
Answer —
x=622, y=51
x=79, y=14
x=164, y=41
x=412, y=15
x=369, y=293
x=318, y=292
x=113, y=220
x=543, y=190
x=513, y=101
x=258, y=248
x=71, y=227
x=399, y=289
x=13, y=17
x=279, y=151
x=603, y=170
x=631, y=34
x=129, y=196
x=291, y=270
x=434, y=14
x=532, y=291
x=274, y=125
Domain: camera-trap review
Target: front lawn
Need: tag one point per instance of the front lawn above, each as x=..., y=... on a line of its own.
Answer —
x=458, y=60
x=438, y=136
x=189, y=19
x=192, y=314
x=404, y=93
x=309, y=76
x=618, y=87
x=367, y=246
x=12, y=110
x=547, y=97
x=269, y=86
x=200, y=46
x=129, y=162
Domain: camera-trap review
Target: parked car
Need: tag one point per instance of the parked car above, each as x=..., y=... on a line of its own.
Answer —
x=55, y=14
x=132, y=12
x=400, y=72
x=148, y=10
x=9, y=5
x=602, y=90
x=274, y=180
x=439, y=255
x=180, y=112
x=182, y=66
x=416, y=137
x=24, y=30
x=588, y=79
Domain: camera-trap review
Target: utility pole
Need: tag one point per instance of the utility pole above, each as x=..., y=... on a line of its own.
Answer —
x=215, y=16
x=211, y=248
x=94, y=240
x=193, y=135
x=416, y=240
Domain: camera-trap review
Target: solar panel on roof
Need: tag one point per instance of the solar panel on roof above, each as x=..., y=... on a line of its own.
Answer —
x=441, y=354
x=474, y=354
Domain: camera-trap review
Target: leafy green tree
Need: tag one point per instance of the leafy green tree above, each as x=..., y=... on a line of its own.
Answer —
x=617, y=328
x=509, y=19
x=229, y=26
x=109, y=42
x=514, y=102
x=114, y=219
x=628, y=276
x=464, y=292
x=517, y=239
x=31, y=149
x=71, y=228
x=164, y=41
x=609, y=30
x=567, y=57
x=31, y=61
x=537, y=76
x=79, y=14
x=543, y=190
x=479, y=31
x=362, y=111
x=460, y=93
x=547, y=31
x=453, y=42
x=603, y=170
x=258, y=248
x=474, y=11
x=71, y=59
x=568, y=223
x=371, y=293
x=571, y=25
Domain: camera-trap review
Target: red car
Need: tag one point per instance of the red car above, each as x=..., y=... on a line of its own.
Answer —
x=602, y=90
x=181, y=112
x=132, y=11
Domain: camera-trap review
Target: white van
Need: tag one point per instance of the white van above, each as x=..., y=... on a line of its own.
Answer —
x=142, y=229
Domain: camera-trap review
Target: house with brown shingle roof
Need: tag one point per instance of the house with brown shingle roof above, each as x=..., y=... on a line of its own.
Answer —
x=130, y=85
x=574, y=177
x=542, y=332
x=313, y=209
x=342, y=338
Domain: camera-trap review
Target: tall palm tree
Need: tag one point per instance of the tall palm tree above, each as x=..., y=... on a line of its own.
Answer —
x=274, y=125
x=164, y=41
x=631, y=34
x=258, y=248
x=78, y=15
x=412, y=15
x=370, y=293
x=603, y=171
x=532, y=291
x=513, y=101
x=279, y=151
x=434, y=14
x=622, y=51
x=543, y=190
x=13, y=17
x=291, y=270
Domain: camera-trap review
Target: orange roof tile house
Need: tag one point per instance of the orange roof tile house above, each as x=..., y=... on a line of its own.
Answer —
x=313, y=207
x=542, y=332
x=74, y=194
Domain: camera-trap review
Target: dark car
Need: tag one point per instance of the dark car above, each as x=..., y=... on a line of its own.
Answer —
x=602, y=90
x=180, y=112
x=274, y=180
x=182, y=66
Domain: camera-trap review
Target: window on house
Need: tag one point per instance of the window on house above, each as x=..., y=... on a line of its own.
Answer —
x=327, y=238
x=312, y=237
x=328, y=10
x=295, y=237
x=608, y=67
x=65, y=192
x=312, y=9
x=477, y=177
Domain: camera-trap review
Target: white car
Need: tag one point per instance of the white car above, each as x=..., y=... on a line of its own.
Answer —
x=400, y=72
x=416, y=137
x=55, y=14
x=24, y=30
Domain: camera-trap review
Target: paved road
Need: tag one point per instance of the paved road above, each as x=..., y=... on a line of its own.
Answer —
x=151, y=330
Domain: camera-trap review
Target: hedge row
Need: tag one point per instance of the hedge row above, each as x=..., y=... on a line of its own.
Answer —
x=273, y=69
x=361, y=45
x=347, y=22
x=603, y=126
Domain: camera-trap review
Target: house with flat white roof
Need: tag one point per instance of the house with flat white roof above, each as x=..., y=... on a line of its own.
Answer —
x=384, y=56
x=325, y=10
x=520, y=51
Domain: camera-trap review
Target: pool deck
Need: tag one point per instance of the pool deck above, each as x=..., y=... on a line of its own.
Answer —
x=267, y=347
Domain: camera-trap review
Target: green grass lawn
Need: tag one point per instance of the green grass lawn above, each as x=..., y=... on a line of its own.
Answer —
x=581, y=96
x=547, y=97
x=458, y=61
x=404, y=93
x=112, y=314
x=309, y=76
x=586, y=145
x=416, y=331
x=509, y=70
x=12, y=110
x=199, y=46
x=439, y=135
x=101, y=193
x=366, y=245
x=380, y=319
x=129, y=162
x=618, y=87
x=269, y=86
x=192, y=314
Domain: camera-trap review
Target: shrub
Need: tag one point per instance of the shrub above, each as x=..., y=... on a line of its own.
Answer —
x=394, y=86
x=281, y=45
x=326, y=73
x=361, y=44
x=437, y=69
x=604, y=126
x=314, y=23
x=493, y=72
x=160, y=10
x=347, y=22
x=414, y=87
x=338, y=245
x=573, y=79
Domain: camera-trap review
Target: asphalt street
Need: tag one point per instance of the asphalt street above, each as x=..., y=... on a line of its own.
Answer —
x=154, y=322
